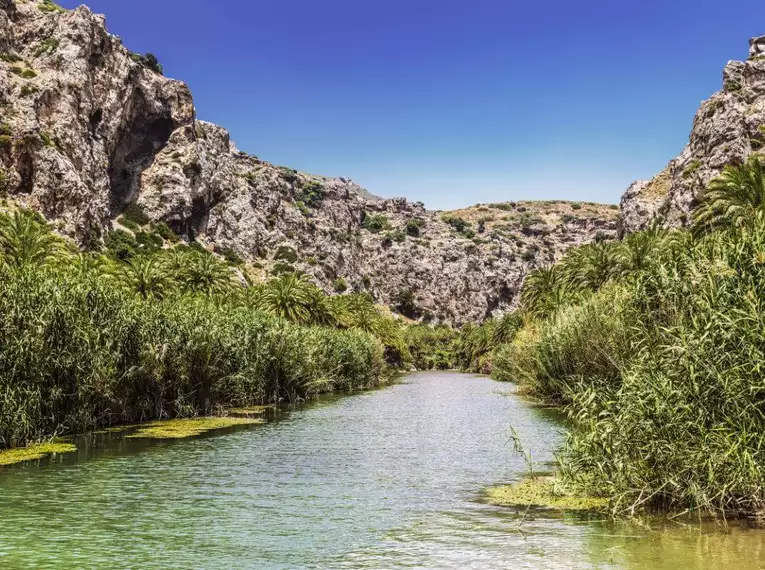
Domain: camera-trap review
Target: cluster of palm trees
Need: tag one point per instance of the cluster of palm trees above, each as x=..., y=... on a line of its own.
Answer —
x=733, y=201
x=26, y=240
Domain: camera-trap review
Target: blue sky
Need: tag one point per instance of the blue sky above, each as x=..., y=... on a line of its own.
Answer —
x=450, y=102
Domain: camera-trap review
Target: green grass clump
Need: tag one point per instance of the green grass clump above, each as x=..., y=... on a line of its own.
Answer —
x=691, y=169
x=33, y=452
x=189, y=427
x=50, y=7
x=49, y=45
x=9, y=57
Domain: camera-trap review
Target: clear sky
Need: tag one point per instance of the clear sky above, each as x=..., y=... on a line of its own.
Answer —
x=445, y=101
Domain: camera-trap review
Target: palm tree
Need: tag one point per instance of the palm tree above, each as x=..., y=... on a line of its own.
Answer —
x=359, y=312
x=506, y=327
x=592, y=266
x=732, y=199
x=146, y=277
x=539, y=289
x=204, y=273
x=319, y=309
x=26, y=240
x=638, y=251
x=287, y=297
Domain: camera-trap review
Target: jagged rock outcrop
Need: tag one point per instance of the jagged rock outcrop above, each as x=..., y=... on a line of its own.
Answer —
x=88, y=128
x=728, y=128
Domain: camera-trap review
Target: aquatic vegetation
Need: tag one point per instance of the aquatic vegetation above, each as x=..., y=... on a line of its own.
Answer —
x=36, y=451
x=545, y=493
x=189, y=427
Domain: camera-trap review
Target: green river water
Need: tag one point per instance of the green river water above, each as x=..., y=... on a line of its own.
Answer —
x=386, y=479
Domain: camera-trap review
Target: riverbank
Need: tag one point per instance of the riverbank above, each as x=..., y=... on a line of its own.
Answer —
x=653, y=348
x=139, y=332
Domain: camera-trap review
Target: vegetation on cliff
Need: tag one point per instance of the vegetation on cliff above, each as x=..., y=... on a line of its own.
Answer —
x=654, y=345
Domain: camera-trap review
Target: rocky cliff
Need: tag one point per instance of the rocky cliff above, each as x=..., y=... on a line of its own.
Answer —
x=88, y=129
x=727, y=129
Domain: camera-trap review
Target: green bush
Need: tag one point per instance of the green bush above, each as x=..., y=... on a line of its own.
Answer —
x=136, y=214
x=340, y=285
x=231, y=256
x=49, y=45
x=414, y=227
x=165, y=232
x=460, y=225
x=375, y=223
x=286, y=253
x=149, y=61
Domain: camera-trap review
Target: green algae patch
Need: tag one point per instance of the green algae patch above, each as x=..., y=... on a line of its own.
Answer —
x=545, y=493
x=179, y=429
x=32, y=452
x=250, y=411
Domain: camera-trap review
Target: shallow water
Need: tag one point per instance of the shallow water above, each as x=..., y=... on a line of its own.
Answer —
x=384, y=479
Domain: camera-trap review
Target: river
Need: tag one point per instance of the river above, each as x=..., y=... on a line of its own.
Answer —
x=387, y=479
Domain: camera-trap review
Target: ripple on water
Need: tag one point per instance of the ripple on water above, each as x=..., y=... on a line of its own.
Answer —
x=386, y=479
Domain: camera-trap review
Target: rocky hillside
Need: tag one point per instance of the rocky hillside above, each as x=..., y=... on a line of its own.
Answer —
x=89, y=130
x=728, y=128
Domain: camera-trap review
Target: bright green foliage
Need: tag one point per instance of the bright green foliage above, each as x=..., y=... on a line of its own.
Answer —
x=287, y=297
x=734, y=199
x=431, y=348
x=89, y=340
x=26, y=240
x=145, y=276
x=206, y=274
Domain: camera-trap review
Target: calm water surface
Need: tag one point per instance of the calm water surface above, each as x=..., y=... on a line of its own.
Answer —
x=385, y=479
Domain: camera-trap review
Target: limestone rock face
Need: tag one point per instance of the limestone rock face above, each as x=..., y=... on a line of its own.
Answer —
x=757, y=47
x=728, y=128
x=88, y=128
